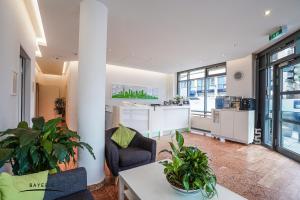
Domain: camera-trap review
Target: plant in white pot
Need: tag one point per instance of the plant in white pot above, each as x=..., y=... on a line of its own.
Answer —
x=189, y=170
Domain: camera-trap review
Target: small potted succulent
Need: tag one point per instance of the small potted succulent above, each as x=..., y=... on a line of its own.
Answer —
x=188, y=171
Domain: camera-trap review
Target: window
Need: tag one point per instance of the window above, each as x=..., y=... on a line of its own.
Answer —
x=216, y=70
x=183, y=88
x=283, y=53
x=183, y=76
x=202, y=86
x=196, y=95
x=197, y=74
x=216, y=87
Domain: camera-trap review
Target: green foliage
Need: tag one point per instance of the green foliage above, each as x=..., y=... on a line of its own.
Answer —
x=189, y=169
x=42, y=147
x=178, y=98
x=133, y=95
x=60, y=106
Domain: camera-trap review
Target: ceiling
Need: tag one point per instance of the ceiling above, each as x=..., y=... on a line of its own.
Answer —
x=169, y=35
x=50, y=65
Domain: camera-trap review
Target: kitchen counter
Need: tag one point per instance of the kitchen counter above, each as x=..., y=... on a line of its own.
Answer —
x=152, y=120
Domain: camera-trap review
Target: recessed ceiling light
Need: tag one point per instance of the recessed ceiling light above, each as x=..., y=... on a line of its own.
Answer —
x=267, y=12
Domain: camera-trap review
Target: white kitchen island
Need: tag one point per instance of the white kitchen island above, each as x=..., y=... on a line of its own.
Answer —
x=150, y=120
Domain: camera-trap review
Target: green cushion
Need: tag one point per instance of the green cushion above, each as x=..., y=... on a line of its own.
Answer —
x=27, y=187
x=123, y=136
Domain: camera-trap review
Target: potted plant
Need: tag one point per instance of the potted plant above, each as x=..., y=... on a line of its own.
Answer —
x=42, y=147
x=189, y=171
x=60, y=107
x=178, y=99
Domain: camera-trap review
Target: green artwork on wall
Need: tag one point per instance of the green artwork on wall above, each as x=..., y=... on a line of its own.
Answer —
x=133, y=92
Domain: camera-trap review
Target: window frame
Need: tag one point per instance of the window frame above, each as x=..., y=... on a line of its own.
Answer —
x=205, y=78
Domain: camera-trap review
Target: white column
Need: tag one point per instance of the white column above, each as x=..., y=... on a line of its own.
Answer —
x=91, y=86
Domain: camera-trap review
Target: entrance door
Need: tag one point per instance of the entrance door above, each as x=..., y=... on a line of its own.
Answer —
x=289, y=109
x=22, y=93
x=24, y=87
x=268, y=115
x=265, y=110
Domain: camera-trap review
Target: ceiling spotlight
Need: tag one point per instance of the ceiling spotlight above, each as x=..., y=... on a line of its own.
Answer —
x=267, y=12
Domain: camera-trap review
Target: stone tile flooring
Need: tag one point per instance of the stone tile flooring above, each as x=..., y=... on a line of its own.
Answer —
x=252, y=171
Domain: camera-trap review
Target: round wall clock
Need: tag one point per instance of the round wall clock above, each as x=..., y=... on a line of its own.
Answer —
x=238, y=75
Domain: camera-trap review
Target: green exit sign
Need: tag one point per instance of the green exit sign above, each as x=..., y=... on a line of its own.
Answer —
x=278, y=33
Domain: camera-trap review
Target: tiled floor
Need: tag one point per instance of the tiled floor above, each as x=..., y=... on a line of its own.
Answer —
x=252, y=171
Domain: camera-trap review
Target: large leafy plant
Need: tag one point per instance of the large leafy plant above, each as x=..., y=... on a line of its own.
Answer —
x=189, y=169
x=42, y=147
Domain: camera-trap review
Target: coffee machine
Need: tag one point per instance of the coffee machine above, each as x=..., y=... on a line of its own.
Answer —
x=247, y=104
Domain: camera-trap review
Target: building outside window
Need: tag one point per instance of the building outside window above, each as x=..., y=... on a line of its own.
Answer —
x=202, y=86
x=182, y=84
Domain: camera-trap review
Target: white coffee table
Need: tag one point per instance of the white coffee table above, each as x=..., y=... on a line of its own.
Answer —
x=148, y=182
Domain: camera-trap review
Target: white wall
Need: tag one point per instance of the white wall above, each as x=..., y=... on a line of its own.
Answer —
x=117, y=74
x=46, y=99
x=131, y=76
x=52, y=80
x=202, y=123
x=245, y=86
x=16, y=31
x=166, y=84
x=71, y=95
x=50, y=88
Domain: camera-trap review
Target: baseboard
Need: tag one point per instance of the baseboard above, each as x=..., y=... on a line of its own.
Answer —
x=96, y=186
x=199, y=129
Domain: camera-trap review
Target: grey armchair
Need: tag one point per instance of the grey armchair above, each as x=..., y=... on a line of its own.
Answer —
x=140, y=151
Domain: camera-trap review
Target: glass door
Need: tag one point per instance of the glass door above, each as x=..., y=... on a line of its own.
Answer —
x=22, y=91
x=289, y=109
x=268, y=114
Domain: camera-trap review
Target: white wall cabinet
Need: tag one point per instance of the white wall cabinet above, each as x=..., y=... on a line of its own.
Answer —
x=234, y=125
x=227, y=123
x=244, y=126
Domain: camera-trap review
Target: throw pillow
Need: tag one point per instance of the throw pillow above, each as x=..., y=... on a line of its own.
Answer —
x=27, y=187
x=123, y=136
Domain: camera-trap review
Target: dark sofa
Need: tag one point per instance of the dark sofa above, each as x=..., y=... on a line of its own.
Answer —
x=140, y=151
x=68, y=185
